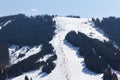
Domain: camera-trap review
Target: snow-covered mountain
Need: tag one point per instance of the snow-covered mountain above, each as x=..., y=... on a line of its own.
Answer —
x=70, y=64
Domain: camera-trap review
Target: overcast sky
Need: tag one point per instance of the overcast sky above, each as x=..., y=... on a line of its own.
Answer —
x=83, y=8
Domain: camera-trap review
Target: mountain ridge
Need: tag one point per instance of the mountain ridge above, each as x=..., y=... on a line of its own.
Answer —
x=58, y=59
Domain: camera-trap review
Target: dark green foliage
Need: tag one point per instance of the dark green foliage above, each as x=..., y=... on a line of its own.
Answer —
x=31, y=62
x=85, y=48
x=114, y=76
x=73, y=16
x=26, y=78
x=52, y=58
x=107, y=74
x=4, y=56
x=111, y=27
x=48, y=67
x=21, y=55
x=95, y=63
x=25, y=30
x=22, y=31
x=3, y=75
x=74, y=41
x=97, y=54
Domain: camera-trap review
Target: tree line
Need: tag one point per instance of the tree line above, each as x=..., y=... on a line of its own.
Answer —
x=97, y=55
x=30, y=31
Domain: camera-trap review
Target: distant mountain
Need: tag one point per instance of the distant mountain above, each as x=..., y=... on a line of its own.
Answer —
x=59, y=48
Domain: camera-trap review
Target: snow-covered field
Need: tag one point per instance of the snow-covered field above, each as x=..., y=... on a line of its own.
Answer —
x=26, y=51
x=69, y=65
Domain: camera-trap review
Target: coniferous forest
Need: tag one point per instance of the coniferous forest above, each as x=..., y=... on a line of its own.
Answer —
x=30, y=31
x=111, y=27
x=99, y=57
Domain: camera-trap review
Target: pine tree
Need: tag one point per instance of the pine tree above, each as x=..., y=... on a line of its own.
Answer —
x=107, y=74
x=114, y=76
x=26, y=78
x=30, y=78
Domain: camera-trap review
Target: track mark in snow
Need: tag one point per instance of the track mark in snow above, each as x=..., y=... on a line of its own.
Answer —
x=68, y=65
x=62, y=62
x=68, y=62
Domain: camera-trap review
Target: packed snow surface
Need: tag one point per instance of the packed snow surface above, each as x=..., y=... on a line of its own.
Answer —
x=26, y=51
x=69, y=65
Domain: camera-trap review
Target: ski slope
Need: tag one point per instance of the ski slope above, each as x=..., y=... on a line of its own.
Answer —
x=69, y=65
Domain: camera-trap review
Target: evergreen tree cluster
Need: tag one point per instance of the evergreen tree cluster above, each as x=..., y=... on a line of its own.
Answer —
x=97, y=55
x=108, y=75
x=25, y=30
x=30, y=31
x=111, y=27
x=26, y=78
x=31, y=63
x=73, y=16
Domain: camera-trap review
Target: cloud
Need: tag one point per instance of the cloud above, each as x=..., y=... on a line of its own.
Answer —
x=34, y=10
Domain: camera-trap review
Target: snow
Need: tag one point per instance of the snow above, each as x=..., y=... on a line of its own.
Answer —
x=115, y=45
x=69, y=65
x=24, y=50
x=82, y=25
x=6, y=23
x=13, y=48
x=45, y=58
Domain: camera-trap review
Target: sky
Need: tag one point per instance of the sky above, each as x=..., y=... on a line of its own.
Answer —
x=82, y=8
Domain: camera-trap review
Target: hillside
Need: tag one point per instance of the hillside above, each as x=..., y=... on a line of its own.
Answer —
x=56, y=48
